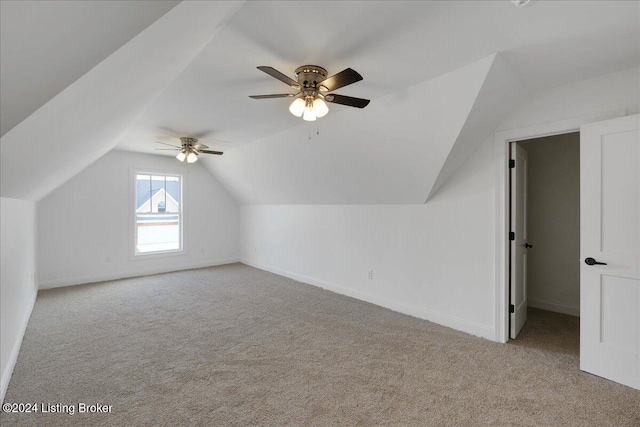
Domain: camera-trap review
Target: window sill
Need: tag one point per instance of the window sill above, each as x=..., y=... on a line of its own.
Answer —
x=159, y=254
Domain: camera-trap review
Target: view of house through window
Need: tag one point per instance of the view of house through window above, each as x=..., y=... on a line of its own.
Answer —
x=158, y=213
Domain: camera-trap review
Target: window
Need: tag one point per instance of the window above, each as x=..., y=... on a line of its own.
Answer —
x=158, y=213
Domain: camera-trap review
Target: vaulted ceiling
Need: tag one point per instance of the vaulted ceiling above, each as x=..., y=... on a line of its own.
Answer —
x=441, y=77
x=46, y=46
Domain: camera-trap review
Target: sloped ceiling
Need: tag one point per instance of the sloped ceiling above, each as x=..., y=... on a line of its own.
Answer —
x=501, y=92
x=377, y=155
x=392, y=155
x=86, y=120
x=47, y=45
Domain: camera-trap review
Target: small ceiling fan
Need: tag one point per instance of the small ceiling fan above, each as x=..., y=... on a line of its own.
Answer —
x=190, y=149
x=313, y=85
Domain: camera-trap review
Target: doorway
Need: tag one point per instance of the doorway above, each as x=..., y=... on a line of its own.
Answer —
x=502, y=141
x=609, y=243
x=544, y=224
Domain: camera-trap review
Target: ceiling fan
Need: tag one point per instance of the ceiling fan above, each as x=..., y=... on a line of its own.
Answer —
x=313, y=85
x=190, y=149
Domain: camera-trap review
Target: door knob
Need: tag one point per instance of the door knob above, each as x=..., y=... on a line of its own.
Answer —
x=591, y=261
x=527, y=245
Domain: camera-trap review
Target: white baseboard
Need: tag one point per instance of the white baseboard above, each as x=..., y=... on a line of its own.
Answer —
x=6, y=375
x=400, y=307
x=78, y=280
x=553, y=306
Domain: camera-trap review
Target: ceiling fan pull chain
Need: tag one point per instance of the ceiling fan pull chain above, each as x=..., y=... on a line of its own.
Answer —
x=317, y=133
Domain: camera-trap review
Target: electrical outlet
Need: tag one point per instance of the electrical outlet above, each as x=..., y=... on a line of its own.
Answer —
x=108, y=259
x=370, y=274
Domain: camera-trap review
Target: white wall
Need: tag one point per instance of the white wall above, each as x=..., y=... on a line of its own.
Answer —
x=85, y=226
x=553, y=222
x=435, y=261
x=599, y=95
x=17, y=281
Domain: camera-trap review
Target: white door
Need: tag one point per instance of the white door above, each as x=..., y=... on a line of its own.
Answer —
x=610, y=249
x=518, y=236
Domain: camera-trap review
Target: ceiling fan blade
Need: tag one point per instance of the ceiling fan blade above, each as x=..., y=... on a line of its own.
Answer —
x=202, y=135
x=342, y=79
x=219, y=153
x=164, y=143
x=278, y=75
x=199, y=146
x=280, y=95
x=347, y=100
x=168, y=149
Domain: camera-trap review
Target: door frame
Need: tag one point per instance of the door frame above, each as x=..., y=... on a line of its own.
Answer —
x=501, y=157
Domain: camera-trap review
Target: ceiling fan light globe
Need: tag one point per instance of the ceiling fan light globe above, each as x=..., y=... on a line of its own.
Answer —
x=320, y=108
x=297, y=107
x=181, y=156
x=309, y=115
x=192, y=157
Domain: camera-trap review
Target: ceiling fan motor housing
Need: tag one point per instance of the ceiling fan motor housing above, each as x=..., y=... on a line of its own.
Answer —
x=308, y=77
x=188, y=142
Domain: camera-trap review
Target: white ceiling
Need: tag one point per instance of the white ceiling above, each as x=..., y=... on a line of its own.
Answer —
x=88, y=118
x=397, y=46
x=395, y=155
x=393, y=44
x=47, y=45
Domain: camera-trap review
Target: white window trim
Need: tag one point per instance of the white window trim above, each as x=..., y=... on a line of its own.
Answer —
x=133, y=171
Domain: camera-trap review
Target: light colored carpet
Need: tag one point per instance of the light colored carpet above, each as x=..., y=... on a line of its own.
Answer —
x=233, y=345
